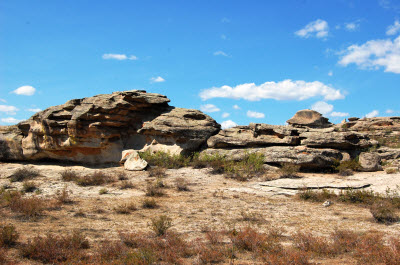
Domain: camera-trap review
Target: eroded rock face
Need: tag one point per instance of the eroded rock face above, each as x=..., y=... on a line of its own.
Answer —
x=97, y=129
x=309, y=118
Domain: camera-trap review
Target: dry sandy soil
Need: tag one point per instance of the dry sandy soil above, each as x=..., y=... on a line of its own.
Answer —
x=212, y=202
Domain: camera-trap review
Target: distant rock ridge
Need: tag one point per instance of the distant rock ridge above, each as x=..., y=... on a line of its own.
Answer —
x=98, y=129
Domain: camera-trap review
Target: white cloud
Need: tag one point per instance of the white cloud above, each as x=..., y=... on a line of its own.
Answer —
x=339, y=114
x=119, y=57
x=34, y=110
x=8, y=109
x=389, y=111
x=236, y=107
x=3, y=100
x=228, y=124
x=25, y=90
x=221, y=53
x=322, y=107
x=254, y=114
x=225, y=115
x=157, y=79
x=10, y=120
x=318, y=28
x=372, y=114
x=393, y=29
x=353, y=26
x=374, y=54
x=330, y=73
x=284, y=90
x=209, y=108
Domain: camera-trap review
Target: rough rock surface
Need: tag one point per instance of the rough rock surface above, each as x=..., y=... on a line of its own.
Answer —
x=370, y=162
x=334, y=139
x=309, y=118
x=97, y=129
x=133, y=161
x=307, y=158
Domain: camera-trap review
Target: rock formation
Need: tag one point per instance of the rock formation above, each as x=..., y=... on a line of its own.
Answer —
x=97, y=129
x=309, y=118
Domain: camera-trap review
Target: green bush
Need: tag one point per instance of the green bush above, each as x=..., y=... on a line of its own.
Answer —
x=165, y=160
x=160, y=224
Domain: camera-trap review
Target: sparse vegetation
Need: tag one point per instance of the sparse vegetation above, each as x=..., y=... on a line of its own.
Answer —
x=94, y=179
x=103, y=191
x=165, y=160
x=391, y=170
x=154, y=190
x=384, y=212
x=125, y=184
x=149, y=204
x=347, y=168
x=29, y=186
x=69, y=175
x=181, y=184
x=126, y=208
x=30, y=207
x=25, y=173
x=8, y=235
x=63, y=196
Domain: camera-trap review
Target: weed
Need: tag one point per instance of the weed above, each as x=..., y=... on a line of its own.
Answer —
x=95, y=179
x=248, y=239
x=160, y=224
x=63, y=196
x=25, y=173
x=103, y=191
x=154, y=190
x=251, y=217
x=181, y=184
x=69, y=175
x=3, y=256
x=8, y=235
x=316, y=196
x=126, y=208
x=30, y=207
x=307, y=242
x=29, y=186
x=157, y=172
x=289, y=170
x=125, y=184
x=122, y=176
x=384, y=212
x=149, y=204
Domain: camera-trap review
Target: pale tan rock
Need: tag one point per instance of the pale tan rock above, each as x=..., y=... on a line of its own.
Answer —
x=370, y=162
x=134, y=162
x=309, y=118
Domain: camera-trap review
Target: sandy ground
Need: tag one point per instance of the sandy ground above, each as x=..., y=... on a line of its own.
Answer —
x=212, y=202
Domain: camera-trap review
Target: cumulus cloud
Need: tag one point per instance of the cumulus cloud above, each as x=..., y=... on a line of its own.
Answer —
x=225, y=115
x=322, y=107
x=374, y=54
x=157, y=79
x=220, y=53
x=284, y=90
x=25, y=90
x=8, y=109
x=119, y=57
x=10, y=120
x=228, y=124
x=34, y=110
x=372, y=114
x=339, y=114
x=393, y=29
x=254, y=114
x=236, y=107
x=318, y=28
x=209, y=108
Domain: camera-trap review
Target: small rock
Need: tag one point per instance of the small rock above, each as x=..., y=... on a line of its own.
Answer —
x=327, y=203
x=134, y=162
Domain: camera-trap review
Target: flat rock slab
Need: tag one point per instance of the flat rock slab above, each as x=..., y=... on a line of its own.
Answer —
x=378, y=182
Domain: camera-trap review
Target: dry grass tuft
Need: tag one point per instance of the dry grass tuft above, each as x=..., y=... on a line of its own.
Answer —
x=25, y=173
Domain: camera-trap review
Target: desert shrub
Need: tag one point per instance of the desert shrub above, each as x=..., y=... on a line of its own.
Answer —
x=160, y=224
x=136, y=240
x=69, y=175
x=111, y=250
x=29, y=186
x=316, y=195
x=384, y=212
x=3, y=255
x=252, y=217
x=125, y=184
x=166, y=160
x=53, y=248
x=249, y=239
x=149, y=204
x=126, y=208
x=141, y=256
x=250, y=166
x=391, y=170
x=289, y=170
x=154, y=190
x=367, y=197
x=181, y=184
x=8, y=235
x=63, y=197
x=211, y=254
x=308, y=242
x=30, y=207
x=122, y=176
x=24, y=173
x=103, y=191
x=344, y=241
x=157, y=172
x=94, y=179
x=287, y=256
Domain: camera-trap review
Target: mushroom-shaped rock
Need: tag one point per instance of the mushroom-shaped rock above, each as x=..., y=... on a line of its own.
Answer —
x=309, y=118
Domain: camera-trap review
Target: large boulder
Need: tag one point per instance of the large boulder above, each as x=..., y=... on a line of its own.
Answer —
x=307, y=158
x=370, y=161
x=309, y=118
x=97, y=129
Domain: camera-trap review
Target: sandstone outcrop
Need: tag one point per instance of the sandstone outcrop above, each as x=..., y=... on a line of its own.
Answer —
x=370, y=162
x=97, y=129
x=309, y=118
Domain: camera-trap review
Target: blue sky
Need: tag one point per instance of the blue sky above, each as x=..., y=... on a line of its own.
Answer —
x=238, y=61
